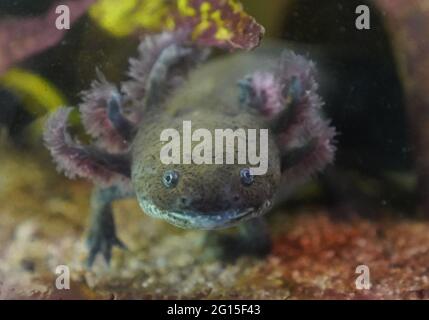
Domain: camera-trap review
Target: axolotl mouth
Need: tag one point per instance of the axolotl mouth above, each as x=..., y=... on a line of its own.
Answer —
x=205, y=220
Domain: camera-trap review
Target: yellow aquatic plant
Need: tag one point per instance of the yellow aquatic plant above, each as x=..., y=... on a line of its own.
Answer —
x=121, y=18
x=38, y=95
x=221, y=23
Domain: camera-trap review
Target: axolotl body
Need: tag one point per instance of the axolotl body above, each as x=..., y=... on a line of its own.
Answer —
x=269, y=88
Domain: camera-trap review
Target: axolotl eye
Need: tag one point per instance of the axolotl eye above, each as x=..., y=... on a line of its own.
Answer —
x=170, y=178
x=246, y=177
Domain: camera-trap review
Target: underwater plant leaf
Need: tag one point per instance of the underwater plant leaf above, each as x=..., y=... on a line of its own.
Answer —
x=38, y=94
x=122, y=18
x=23, y=37
x=218, y=23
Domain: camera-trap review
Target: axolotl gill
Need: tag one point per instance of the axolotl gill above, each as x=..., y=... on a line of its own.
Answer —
x=269, y=88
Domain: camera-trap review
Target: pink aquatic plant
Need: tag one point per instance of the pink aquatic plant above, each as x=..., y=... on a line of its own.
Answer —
x=21, y=38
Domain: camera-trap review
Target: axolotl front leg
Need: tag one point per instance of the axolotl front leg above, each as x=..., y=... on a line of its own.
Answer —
x=102, y=235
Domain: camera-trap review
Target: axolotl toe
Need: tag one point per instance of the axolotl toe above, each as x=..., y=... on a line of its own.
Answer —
x=264, y=101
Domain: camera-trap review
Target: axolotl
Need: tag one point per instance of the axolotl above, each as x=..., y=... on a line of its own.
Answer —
x=168, y=83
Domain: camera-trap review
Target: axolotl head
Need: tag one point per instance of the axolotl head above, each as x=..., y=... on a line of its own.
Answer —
x=179, y=183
